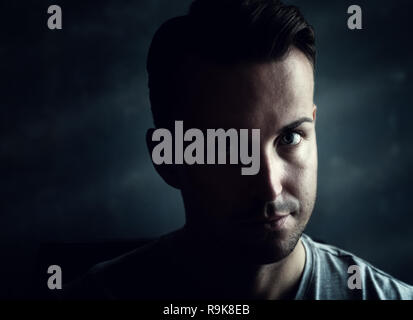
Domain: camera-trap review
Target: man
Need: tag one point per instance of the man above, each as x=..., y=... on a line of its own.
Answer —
x=243, y=64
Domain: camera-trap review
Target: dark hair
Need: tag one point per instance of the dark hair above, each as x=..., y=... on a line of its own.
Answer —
x=223, y=32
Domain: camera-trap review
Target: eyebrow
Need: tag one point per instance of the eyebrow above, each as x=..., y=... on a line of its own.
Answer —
x=295, y=124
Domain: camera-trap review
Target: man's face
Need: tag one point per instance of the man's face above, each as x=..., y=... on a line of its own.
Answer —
x=277, y=98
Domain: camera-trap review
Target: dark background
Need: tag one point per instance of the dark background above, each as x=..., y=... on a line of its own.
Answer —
x=74, y=109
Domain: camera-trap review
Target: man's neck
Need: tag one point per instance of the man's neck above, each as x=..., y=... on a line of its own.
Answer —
x=237, y=279
x=280, y=280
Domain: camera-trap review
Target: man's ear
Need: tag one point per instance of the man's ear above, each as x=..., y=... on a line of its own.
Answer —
x=314, y=113
x=171, y=173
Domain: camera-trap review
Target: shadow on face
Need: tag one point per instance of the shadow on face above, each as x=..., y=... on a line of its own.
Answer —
x=261, y=215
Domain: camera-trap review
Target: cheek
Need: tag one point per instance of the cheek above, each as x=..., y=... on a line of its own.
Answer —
x=215, y=184
x=301, y=170
x=214, y=193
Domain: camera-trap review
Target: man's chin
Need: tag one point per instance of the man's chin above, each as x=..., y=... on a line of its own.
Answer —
x=248, y=245
x=267, y=243
x=270, y=247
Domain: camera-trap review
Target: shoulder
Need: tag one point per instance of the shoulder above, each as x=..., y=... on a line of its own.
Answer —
x=333, y=269
x=138, y=274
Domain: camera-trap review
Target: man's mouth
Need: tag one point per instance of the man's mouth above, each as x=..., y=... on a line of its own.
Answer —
x=276, y=223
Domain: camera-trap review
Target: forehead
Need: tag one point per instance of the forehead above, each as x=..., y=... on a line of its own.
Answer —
x=249, y=95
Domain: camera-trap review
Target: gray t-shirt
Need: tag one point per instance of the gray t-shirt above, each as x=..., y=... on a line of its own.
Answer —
x=326, y=276
x=156, y=271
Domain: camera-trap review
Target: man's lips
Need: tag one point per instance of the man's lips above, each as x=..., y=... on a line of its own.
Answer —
x=275, y=218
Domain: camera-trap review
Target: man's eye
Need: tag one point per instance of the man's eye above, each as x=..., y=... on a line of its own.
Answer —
x=291, y=139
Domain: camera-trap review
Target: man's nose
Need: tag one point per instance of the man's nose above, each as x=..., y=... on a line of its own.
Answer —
x=269, y=179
